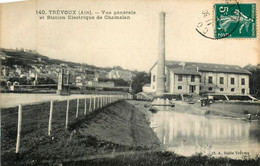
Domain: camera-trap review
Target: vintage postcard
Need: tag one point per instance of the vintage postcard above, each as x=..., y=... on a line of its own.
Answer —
x=95, y=82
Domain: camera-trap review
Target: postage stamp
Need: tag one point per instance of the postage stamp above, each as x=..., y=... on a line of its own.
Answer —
x=235, y=20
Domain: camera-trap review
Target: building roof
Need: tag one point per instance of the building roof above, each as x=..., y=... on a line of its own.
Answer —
x=183, y=71
x=206, y=67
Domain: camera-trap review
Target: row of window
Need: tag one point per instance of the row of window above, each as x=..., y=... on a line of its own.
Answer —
x=221, y=80
x=210, y=89
x=222, y=89
x=192, y=78
x=210, y=79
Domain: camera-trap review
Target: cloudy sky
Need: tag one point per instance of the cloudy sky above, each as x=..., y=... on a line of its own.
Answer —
x=132, y=44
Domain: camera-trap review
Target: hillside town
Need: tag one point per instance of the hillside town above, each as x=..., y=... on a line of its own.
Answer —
x=36, y=70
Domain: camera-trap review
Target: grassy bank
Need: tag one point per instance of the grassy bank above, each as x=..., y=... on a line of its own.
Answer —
x=118, y=134
x=232, y=110
x=235, y=109
x=118, y=127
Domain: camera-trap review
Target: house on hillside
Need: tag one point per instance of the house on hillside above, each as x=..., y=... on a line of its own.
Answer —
x=19, y=70
x=91, y=75
x=102, y=74
x=196, y=78
x=123, y=74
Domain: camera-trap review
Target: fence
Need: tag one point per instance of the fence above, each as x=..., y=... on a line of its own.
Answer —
x=60, y=113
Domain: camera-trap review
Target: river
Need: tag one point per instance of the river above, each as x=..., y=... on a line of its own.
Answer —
x=187, y=134
x=14, y=99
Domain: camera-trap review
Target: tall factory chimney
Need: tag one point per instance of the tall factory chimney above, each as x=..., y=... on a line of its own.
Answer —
x=160, y=83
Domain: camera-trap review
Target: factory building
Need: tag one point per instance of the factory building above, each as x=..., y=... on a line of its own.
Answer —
x=192, y=77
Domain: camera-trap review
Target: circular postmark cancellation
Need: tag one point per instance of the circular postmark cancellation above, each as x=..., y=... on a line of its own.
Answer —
x=229, y=19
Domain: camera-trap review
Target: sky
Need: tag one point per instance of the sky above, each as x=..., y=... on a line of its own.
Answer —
x=131, y=44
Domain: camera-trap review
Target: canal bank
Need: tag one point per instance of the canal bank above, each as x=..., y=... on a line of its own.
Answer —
x=233, y=110
x=114, y=129
x=118, y=134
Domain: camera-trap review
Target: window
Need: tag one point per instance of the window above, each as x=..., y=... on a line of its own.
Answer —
x=232, y=89
x=192, y=78
x=153, y=78
x=210, y=79
x=200, y=80
x=221, y=89
x=153, y=87
x=232, y=81
x=210, y=88
x=179, y=87
x=179, y=77
x=242, y=81
x=221, y=80
x=200, y=87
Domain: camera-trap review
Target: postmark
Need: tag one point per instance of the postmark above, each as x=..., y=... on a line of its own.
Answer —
x=235, y=20
x=228, y=19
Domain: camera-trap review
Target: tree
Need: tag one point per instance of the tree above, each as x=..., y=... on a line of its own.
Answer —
x=46, y=80
x=254, y=79
x=139, y=80
x=121, y=82
x=118, y=67
x=118, y=82
x=3, y=83
x=13, y=79
x=23, y=81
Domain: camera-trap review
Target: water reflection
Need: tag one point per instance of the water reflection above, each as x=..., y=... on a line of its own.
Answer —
x=187, y=134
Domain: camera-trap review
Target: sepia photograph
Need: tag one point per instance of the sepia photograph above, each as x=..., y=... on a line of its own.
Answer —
x=136, y=83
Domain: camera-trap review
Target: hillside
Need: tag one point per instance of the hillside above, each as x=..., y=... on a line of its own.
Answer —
x=27, y=67
x=27, y=58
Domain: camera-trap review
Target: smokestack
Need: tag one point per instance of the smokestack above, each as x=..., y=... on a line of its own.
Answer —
x=160, y=86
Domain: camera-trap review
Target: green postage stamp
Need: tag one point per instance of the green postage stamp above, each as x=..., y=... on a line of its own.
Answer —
x=235, y=20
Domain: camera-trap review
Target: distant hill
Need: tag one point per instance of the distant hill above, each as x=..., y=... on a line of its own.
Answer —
x=26, y=58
